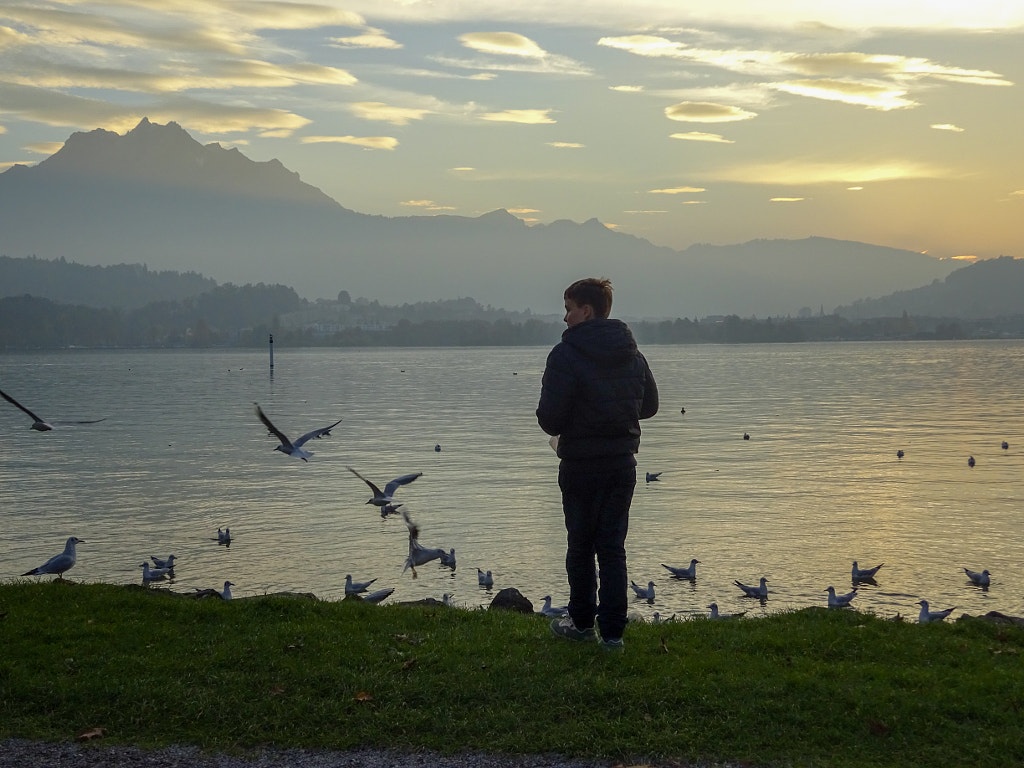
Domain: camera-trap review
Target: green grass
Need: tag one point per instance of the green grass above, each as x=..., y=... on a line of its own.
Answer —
x=808, y=688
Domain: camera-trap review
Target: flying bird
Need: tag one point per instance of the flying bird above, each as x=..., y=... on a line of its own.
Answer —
x=39, y=424
x=385, y=498
x=58, y=563
x=684, y=573
x=355, y=587
x=294, y=448
x=760, y=592
x=840, y=601
x=418, y=554
x=981, y=579
x=927, y=616
x=863, y=574
x=646, y=593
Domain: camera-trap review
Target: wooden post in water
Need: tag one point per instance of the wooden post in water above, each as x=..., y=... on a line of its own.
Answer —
x=271, y=352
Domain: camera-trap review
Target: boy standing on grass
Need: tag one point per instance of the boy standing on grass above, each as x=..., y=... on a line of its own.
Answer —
x=596, y=388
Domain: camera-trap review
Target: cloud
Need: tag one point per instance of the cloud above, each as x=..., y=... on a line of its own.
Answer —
x=463, y=168
x=60, y=109
x=803, y=172
x=947, y=127
x=626, y=88
x=523, y=210
x=706, y=112
x=871, y=95
x=546, y=65
x=644, y=212
x=43, y=147
x=677, y=191
x=502, y=44
x=786, y=199
x=367, y=142
x=429, y=205
x=369, y=38
x=526, y=116
x=376, y=110
x=699, y=136
x=565, y=145
x=1018, y=192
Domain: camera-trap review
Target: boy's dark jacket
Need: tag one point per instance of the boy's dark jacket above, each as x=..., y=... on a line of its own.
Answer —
x=596, y=388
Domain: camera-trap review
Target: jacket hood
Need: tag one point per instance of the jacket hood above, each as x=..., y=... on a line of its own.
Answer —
x=606, y=342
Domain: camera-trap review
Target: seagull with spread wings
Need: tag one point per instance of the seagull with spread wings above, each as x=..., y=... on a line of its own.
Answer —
x=386, y=497
x=39, y=424
x=294, y=448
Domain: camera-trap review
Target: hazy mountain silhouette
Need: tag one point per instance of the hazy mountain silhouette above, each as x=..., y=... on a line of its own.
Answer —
x=156, y=196
x=990, y=288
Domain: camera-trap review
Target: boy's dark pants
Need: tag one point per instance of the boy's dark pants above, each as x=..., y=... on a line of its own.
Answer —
x=596, y=507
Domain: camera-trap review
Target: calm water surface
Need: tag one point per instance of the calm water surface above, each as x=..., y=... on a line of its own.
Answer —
x=816, y=486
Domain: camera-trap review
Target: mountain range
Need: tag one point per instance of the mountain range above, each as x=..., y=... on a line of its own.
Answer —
x=158, y=197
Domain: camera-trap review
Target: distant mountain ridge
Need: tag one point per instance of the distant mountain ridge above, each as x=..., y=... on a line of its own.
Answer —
x=987, y=289
x=156, y=196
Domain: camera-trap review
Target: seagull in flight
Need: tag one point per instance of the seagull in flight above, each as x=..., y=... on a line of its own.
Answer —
x=385, y=498
x=39, y=424
x=58, y=563
x=840, y=601
x=760, y=592
x=355, y=587
x=863, y=574
x=927, y=616
x=980, y=579
x=684, y=573
x=294, y=448
x=418, y=554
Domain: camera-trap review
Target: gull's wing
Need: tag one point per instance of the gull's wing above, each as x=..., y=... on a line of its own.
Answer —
x=277, y=433
x=69, y=423
x=391, y=487
x=374, y=488
x=316, y=433
x=16, y=404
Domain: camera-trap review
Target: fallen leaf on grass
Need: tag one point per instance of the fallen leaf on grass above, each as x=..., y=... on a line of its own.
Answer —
x=92, y=733
x=364, y=696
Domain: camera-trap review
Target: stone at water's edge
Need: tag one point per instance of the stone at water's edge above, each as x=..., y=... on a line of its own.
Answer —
x=512, y=599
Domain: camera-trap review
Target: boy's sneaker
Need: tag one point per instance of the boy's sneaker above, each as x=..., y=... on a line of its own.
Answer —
x=612, y=643
x=566, y=627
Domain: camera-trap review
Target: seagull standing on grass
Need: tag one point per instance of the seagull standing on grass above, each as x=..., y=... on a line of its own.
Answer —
x=645, y=593
x=684, y=573
x=927, y=616
x=378, y=596
x=554, y=612
x=37, y=423
x=59, y=563
x=980, y=579
x=294, y=448
x=385, y=498
x=760, y=592
x=355, y=587
x=840, y=601
x=863, y=574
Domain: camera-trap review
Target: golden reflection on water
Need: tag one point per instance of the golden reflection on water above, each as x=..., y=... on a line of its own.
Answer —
x=817, y=485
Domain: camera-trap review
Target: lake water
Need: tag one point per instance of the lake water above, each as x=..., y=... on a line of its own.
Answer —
x=817, y=485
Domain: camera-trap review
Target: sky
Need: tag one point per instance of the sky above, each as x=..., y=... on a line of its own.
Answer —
x=895, y=123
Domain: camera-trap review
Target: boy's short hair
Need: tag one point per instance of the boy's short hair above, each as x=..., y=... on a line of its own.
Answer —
x=595, y=291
